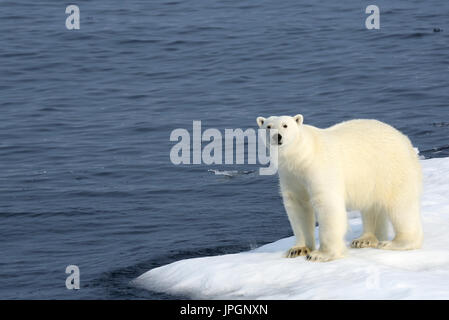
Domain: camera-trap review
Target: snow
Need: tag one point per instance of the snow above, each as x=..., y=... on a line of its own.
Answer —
x=368, y=273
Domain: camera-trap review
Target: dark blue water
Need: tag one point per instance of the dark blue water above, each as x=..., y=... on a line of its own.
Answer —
x=86, y=116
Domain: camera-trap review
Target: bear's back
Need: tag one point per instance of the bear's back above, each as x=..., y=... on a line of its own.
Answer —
x=370, y=133
x=372, y=153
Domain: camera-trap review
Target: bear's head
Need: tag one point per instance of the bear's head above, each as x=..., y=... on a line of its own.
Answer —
x=286, y=128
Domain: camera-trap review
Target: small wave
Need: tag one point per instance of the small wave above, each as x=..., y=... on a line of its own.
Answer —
x=437, y=149
x=441, y=124
x=230, y=173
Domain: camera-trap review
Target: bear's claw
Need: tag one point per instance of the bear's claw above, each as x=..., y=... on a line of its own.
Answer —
x=318, y=256
x=297, y=251
x=364, y=243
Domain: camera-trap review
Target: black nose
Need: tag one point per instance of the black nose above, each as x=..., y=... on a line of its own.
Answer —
x=279, y=138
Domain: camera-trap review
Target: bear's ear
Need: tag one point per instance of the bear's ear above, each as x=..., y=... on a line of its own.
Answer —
x=299, y=119
x=260, y=121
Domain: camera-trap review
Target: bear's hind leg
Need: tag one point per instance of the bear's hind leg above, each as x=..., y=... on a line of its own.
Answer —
x=375, y=227
x=407, y=227
x=382, y=226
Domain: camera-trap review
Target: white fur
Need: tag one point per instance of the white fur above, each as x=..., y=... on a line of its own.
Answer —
x=361, y=165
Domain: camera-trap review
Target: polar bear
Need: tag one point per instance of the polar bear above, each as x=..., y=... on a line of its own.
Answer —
x=363, y=165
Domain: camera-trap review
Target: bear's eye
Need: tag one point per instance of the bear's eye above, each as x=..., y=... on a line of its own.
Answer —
x=269, y=126
x=285, y=126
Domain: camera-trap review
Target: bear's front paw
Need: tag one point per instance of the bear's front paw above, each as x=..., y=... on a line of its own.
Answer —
x=319, y=256
x=297, y=251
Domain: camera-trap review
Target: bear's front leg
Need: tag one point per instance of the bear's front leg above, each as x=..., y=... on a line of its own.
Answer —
x=302, y=221
x=331, y=215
